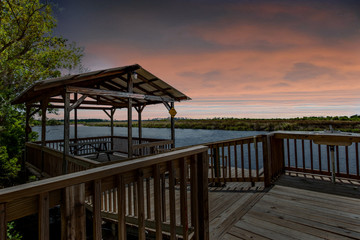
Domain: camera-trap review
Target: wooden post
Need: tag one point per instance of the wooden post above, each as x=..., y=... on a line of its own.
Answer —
x=3, y=222
x=27, y=123
x=75, y=119
x=80, y=214
x=194, y=199
x=112, y=127
x=97, y=210
x=43, y=219
x=67, y=214
x=130, y=90
x=172, y=127
x=277, y=156
x=172, y=200
x=157, y=202
x=43, y=131
x=66, y=131
x=203, y=199
x=183, y=198
x=266, y=162
x=43, y=122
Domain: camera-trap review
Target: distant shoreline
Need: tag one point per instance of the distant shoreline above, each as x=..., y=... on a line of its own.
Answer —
x=346, y=124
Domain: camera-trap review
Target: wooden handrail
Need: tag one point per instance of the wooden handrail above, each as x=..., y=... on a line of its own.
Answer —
x=309, y=152
x=46, y=185
x=341, y=137
x=70, y=191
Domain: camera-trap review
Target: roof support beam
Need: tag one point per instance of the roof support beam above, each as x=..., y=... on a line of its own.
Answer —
x=139, y=109
x=66, y=132
x=130, y=95
x=130, y=143
x=77, y=103
x=111, y=116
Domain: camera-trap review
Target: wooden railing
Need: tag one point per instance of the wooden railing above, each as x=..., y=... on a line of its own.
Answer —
x=50, y=161
x=302, y=154
x=172, y=177
x=238, y=160
x=143, y=147
x=150, y=148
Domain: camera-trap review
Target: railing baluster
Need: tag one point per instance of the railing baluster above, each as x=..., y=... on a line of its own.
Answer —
x=163, y=197
x=337, y=160
x=249, y=159
x=157, y=202
x=172, y=200
x=130, y=212
x=148, y=199
x=121, y=207
x=256, y=158
x=105, y=200
x=223, y=163
x=212, y=161
x=229, y=158
x=296, y=154
x=288, y=151
x=217, y=164
x=328, y=158
x=347, y=160
x=183, y=198
x=141, y=207
x=303, y=153
x=311, y=156
x=236, y=161
x=135, y=199
x=97, y=210
x=111, y=197
x=319, y=152
x=242, y=162
x=115, y=207
x=357, y=158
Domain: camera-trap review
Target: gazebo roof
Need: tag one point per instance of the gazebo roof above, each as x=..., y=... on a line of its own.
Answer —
x=107, y=87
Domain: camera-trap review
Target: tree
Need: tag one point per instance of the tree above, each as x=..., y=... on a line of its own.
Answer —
x=29, y=51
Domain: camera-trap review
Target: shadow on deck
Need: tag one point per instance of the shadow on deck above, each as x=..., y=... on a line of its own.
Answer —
x=298, y=206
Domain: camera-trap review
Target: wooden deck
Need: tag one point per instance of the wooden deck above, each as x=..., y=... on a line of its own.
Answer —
x=295, y=208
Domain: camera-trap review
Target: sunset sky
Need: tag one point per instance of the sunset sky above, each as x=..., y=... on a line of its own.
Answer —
x=258, y=59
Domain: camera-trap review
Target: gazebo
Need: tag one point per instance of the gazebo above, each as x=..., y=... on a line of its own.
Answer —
x=108, y=90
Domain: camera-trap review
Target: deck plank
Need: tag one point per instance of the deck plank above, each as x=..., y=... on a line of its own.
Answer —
x=243, y=234
x=303, y=213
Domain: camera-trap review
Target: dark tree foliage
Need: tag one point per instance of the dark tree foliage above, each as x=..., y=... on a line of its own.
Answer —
x=29, y=52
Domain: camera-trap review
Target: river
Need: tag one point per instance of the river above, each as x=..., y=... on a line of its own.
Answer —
x=183, y=137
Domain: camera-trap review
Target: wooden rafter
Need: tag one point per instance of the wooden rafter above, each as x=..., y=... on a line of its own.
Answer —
x=150, y=82
x=98, y=92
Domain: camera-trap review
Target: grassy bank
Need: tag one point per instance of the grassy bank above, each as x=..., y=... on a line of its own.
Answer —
x=349, y=124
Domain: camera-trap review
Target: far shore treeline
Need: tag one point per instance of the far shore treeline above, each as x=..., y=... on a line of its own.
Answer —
x=340, y=123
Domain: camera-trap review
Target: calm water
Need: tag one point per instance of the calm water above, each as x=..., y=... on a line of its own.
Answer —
x=183, y=137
